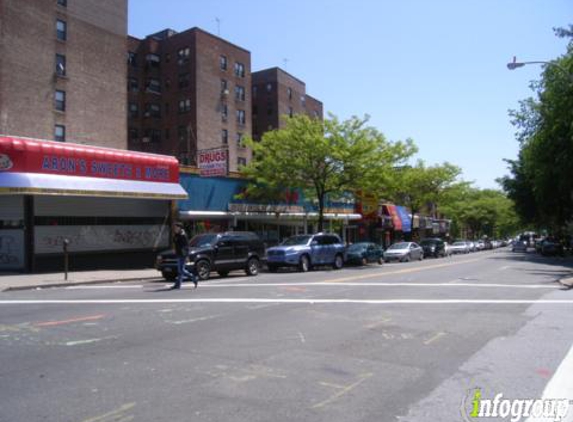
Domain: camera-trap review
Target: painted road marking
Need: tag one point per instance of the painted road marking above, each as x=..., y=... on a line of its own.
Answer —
x=69, y=321
x=103, y=286
x=560, y=386
x=434, y=338
x=88, y=341
x=114, y=414
x=291, y=301
x=376, y=284
x=343, y=391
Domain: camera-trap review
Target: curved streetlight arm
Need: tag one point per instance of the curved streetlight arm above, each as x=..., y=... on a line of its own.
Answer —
x=515, y=64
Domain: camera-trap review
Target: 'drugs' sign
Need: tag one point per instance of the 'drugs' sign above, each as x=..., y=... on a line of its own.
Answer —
x=213, y=162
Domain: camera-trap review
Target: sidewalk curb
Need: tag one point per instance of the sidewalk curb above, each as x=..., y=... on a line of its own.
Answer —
x=77, y=283
x=567, y=282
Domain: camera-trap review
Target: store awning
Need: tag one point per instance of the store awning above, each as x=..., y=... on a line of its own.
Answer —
x=38, y=167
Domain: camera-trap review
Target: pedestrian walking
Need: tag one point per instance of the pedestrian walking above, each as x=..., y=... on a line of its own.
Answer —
x=181, y=251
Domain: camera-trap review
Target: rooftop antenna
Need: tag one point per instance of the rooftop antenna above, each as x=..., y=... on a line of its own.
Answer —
x=285, y=63
x=218, y=26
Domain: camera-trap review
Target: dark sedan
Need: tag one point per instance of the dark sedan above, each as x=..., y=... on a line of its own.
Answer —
x=363, y=253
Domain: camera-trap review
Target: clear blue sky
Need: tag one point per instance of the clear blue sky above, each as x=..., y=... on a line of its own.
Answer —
x=433, y=71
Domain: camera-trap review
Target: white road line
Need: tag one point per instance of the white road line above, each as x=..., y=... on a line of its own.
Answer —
x=560, y=387
x=374, y=284
x=292, y=301
x=136, y=286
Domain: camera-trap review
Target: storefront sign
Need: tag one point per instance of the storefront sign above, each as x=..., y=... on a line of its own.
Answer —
x=404, y=218
x=394, y=215
x=263, y=208
x=50, y=239
x=213, y=162
x=46, y=157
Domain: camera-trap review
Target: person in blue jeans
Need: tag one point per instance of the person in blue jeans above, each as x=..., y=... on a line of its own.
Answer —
x=181, y=242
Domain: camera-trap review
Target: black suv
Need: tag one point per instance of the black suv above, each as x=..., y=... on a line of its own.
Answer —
x=433, y=247
x=221, y=252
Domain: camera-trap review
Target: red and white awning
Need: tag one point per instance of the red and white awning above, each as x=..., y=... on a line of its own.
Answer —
x=37, y=167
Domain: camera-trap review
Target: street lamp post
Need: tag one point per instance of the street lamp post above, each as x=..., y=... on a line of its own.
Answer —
x=515, y=64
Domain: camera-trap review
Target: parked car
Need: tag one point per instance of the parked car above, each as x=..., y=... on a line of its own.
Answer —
x=459, y=247
x=471, y=245
x=404, y=252
x=364, y=252
x=552, y=247
x=448, y=249
x=306, y=251
x=221, y=252
x=433, y=247
x=480, y=245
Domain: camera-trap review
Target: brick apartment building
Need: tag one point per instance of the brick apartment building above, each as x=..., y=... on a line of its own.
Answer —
x=62, y=70
x=189, y=91
x=276, y=94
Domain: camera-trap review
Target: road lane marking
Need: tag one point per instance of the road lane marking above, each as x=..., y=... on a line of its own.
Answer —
x=99, y=287
x=190, y=321
x=315, y=301
x=377, y=284
x=560, y=386
x=69, y=321
x=343, y=391
x=88, y=341
x=434, y=338
x=114, y=414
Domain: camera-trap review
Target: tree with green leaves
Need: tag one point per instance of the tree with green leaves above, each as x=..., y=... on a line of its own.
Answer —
x=419, y=187
x=325, y=157
x=541, y=180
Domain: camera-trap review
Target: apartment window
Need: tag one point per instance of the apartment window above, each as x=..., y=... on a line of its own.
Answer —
x=152, y=135
x=240, y=93
x=270, y=110
x=239, y=70
x=224, y=112
x=166, y=108
x=133, y=110
x=185, y=106
x=239, y=140
x=60, y=133
x=63, y=3
x=269, y=87
x=303, y=100
x=241, y=117
x=184, y=80
x=316, y=114
x=183, y=55
x=167, y=134
x=153, y=60
x=60, y=100
x=224, y=87
x=223, y=62
x=152, y=110
x=255, y=110
x=225, y=136
x=182, y=133
x=132, y=59
x=153, y=85
x=290, y=112
x=132, y=85
x=289, y=93
x=61, y=30
x=255, y=91
x=241, y=161
x=133, y=135
x=60, y=65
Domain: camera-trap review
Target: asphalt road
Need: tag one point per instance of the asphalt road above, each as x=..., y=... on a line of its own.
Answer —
x=399, y=342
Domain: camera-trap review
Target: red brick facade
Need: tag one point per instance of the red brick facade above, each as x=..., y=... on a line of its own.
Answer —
x=91, y=100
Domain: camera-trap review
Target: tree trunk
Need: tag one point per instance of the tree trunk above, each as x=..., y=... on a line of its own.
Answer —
x=320, y=212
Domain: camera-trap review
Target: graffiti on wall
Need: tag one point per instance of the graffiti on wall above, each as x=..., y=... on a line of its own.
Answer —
x=50, y=239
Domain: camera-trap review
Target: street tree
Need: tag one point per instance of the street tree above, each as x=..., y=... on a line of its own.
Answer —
x=325, y=158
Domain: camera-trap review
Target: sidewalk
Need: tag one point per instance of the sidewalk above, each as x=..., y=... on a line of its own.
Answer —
x=33, y=281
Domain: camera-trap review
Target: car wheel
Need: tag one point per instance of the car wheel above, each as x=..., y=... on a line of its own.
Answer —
x=223, y=273
x=252, y=267
x=339, y=262
x=406, y=258
x=380, y=261
x=421, y=258
x=304, y=264
x=364, y=261
x=169, y=276
x=203, y=269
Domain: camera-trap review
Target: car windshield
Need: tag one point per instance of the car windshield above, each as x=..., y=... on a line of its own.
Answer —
x=459, y=244
x=402, y=245
x=296, y=240
x=203, y=240
x=357, y=247
x=428, y=242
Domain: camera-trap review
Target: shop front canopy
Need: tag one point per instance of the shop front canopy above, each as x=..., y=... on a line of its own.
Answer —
x=38, y=167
